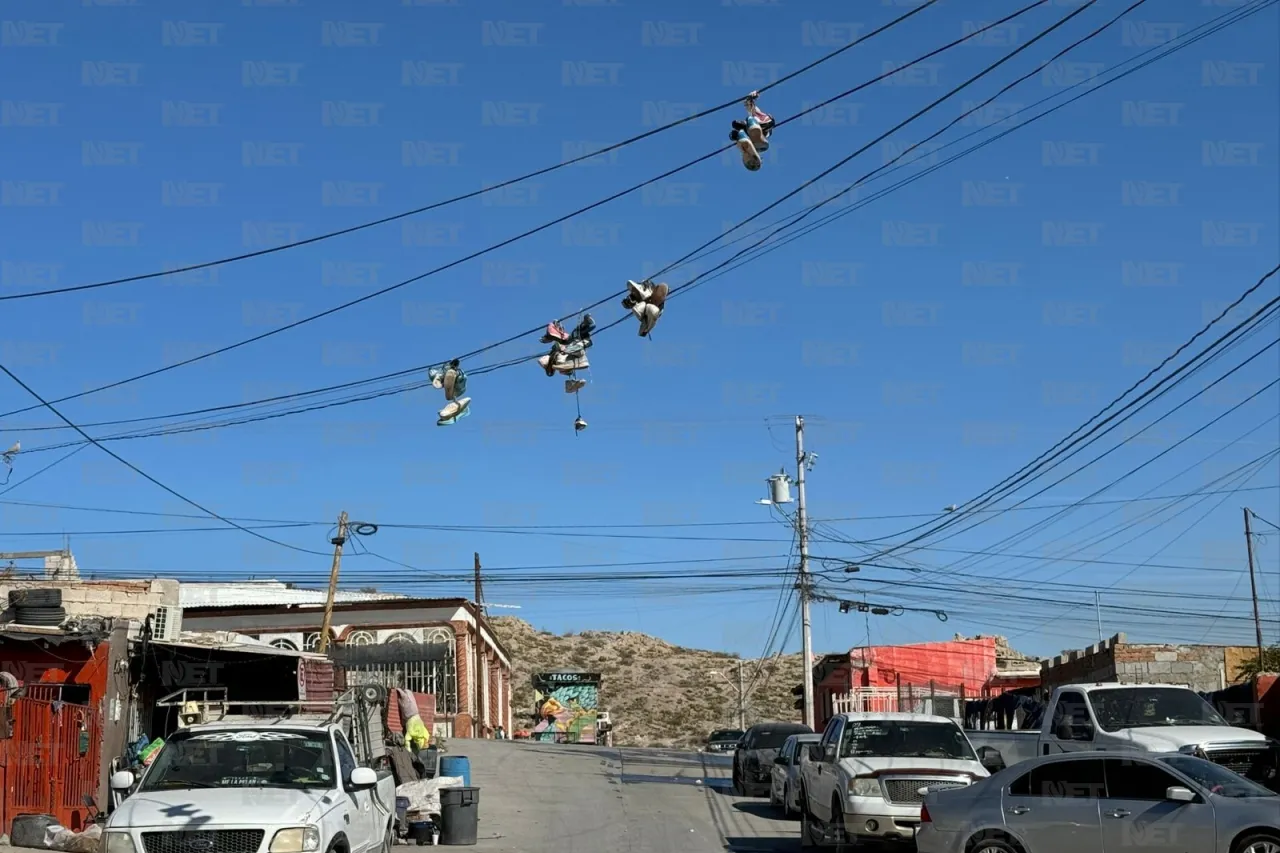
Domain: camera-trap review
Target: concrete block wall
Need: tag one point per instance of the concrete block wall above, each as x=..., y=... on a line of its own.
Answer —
x=1200, y=667
x=1082, y=666
x=114, y=599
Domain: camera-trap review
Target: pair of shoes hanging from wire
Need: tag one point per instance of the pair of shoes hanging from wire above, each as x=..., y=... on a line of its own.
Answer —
x=452, y=379
x=646, y=300
x=568, y=355
x=752, y=134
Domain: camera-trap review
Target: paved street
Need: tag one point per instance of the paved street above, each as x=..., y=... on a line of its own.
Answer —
x=543, y=797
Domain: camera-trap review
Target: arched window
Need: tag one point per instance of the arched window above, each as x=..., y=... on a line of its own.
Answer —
x=312, y=641
x=439, y=635
x=284, y=644
x=360, y=638
x=401, y=637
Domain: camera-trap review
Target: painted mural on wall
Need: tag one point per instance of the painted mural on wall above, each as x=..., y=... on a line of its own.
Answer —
x=565, y=704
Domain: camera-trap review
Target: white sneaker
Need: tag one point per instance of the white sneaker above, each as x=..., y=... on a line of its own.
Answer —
x=649, y=319
x=573, y=386
x=750, y=157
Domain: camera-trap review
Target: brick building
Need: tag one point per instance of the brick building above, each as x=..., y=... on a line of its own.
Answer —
x=433, y=646
x=1200, y=667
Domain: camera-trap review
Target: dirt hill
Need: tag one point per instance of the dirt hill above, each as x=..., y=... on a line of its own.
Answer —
x=658, y=694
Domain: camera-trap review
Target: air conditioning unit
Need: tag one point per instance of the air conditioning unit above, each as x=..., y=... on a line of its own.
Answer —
x=166, y=623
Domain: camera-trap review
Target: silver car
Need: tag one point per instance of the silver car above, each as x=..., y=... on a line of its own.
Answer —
x=1105, y=802
x=784, y=785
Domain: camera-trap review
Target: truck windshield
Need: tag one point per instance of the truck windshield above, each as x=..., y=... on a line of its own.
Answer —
x=1139, y=707
x=243, y=758
x=905, y=739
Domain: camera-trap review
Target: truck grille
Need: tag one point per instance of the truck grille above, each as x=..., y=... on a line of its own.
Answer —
x=906, y=792
x=1251, y=763
x=210, y=841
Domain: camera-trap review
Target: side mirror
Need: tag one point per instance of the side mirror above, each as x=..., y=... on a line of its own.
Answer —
x=361, y=778
x=1082, y=731
x=121, y=780
x=815, y=752
x=1179, y=794
x=990, y=758
x=780, y=760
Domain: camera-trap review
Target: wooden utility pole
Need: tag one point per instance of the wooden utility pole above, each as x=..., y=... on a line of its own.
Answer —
x=478, y=721
x=802, y=528
x=338, y=541
x=1253, y=585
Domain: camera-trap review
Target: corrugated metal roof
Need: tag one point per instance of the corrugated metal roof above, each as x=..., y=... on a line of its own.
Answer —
x=250, y=593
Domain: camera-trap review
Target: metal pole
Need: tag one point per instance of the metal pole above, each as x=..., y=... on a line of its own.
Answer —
x=337, y=540
x=742, y=701
x=802, y=523
x=1097, y=608
x=477, y=722
x=1253, y=585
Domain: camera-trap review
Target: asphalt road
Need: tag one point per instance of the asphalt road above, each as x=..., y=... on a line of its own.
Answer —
x=547, y=798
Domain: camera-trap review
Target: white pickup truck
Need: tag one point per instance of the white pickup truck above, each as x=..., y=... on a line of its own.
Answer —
x=867, y=777
x=254, y=788
x=1155, y=718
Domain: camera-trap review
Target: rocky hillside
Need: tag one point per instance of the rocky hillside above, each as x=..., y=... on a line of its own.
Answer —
x=658, y=694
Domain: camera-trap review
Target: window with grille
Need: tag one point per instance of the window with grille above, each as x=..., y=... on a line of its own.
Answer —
x=284, y=644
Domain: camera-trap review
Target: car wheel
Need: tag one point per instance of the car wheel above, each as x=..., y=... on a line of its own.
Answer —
x=837, y=824
x=806, y=823
x=991, y=843
x=786, y=802
x=1262, y=842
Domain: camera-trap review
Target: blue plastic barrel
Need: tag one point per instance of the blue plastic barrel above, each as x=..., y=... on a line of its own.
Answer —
x=456, y=765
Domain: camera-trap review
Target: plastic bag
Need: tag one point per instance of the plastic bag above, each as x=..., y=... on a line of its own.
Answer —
x=148, y=753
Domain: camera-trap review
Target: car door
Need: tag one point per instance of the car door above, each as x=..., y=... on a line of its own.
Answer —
x=1071, y=728
x=1054, y=806
x=824, y=775
x=781, y=764
x=359, y=817
x=1136, y=814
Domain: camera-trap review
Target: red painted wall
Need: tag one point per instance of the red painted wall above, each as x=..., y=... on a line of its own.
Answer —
x=950, y=664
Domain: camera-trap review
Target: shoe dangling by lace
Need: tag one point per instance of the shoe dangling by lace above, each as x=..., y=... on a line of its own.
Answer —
x=584, y=329
x=555, y=332
x=579, y=424
x=573, y=386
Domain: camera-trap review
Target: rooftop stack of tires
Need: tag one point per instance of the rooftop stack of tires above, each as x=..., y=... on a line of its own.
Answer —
x=37, y=607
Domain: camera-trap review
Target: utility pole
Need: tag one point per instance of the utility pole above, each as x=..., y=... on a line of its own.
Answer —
x=1253, y=585
x=742, y=701
x=802, y=524
x=338, y=540
x=478, y=721
x=1097, y=609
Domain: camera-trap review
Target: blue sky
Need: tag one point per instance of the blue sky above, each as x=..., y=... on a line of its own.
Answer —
x=936, y=340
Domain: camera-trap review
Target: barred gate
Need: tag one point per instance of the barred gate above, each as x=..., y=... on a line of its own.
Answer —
x=49, y=758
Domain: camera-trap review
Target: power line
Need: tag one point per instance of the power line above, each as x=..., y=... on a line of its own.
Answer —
x=494, y=247
x=144, y=474
x=1206, y=29
x=1085, y=430
x=477, y=193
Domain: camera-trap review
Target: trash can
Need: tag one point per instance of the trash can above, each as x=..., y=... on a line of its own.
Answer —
x=430, y=760
x=459, y=815
x=456, y=765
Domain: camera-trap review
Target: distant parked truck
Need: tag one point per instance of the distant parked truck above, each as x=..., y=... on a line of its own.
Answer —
x=1151, y=718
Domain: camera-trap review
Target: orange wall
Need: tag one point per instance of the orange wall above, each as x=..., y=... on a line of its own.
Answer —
x=950, y=664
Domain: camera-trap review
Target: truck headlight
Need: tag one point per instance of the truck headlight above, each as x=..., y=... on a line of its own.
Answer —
x=861, y=787
x=117, y=842
x=298, y=839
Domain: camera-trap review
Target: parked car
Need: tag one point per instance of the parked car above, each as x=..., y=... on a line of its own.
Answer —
x=1153, y=718
x=753, y=758
x=724, y=740
x=868, y=774
x=282, y=787
x=1067, y=803
x=783, y=792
